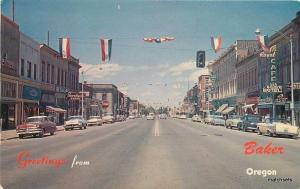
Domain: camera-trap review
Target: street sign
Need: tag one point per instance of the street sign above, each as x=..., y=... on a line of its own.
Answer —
x=200, y=59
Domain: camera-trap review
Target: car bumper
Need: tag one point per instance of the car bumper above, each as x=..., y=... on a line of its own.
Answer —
x=286, y=133
x=72, y=126
x=29, y=131
x=93, y=123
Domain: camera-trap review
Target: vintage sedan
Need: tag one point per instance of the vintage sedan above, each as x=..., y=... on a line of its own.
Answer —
x=151, y=116
x=277, y=128
x=94, y=120
x=36, y=126
x=249, y=122
x=75, y=122
x=233, y=121
x=196, y=118
x=108, y=118
x=209, y=119
x=218, y=120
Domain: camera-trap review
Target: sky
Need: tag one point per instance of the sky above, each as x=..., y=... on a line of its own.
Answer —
x=155, y=74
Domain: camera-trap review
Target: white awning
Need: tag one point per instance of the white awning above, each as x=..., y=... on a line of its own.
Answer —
x=228, y=110
x=248, y=106
x=54, y=109
x=221, y=108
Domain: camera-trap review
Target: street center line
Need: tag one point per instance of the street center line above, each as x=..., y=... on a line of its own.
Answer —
x=156, y=128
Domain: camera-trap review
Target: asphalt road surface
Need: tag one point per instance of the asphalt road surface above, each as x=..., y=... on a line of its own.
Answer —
x=152, y=154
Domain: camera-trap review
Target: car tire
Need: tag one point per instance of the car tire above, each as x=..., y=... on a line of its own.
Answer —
x=66, y=129
x=41, y=134
x=21, y=136
x=52, y=133
x=259, y=132
x=269, y=134
x=244, y=129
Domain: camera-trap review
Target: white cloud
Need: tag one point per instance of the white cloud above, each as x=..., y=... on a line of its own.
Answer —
x=178, y=69
x=93, y=73
x=194, y=75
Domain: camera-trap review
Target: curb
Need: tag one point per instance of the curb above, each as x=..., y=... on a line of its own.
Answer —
x=14, y=137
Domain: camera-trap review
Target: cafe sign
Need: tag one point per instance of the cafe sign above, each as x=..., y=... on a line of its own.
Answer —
x=270, y=53
x=272, y=88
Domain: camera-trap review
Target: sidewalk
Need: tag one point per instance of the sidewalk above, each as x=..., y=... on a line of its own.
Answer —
x=11, y=134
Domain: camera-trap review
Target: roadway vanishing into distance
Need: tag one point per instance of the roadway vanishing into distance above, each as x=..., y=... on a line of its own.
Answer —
x=140, y=153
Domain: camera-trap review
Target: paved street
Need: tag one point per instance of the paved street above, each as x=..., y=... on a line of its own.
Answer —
x=150, y=154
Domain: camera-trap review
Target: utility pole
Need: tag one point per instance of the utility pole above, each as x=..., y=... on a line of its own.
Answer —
x=13, y=10
x=292, y=82
x=48, y=39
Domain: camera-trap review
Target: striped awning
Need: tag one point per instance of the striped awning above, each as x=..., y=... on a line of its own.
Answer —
x=221, y=108
x=248, y=105
x=228, y=110
x=52, y=109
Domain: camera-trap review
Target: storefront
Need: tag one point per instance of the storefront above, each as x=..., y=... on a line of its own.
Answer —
x=9, y=105
x=47, y=99
x=30, y=101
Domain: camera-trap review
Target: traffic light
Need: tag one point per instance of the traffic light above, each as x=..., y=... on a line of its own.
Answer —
x=200, y=59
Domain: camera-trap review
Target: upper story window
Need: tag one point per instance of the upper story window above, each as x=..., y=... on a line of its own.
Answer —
x=48, y=73
x=43, y=71
x=28, y=69
x=22, y=67
x=34, y=71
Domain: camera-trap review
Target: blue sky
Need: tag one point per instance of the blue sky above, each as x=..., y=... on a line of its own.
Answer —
x=153, y=73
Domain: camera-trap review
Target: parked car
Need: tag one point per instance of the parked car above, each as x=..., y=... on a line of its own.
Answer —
x=277, y=128
x=131, y=117
x=196, y=118
x=75, y=122
x=150, y=116
x=249, y=122
x=162, y=116
x=94, y=120
x=233, y=121
x=218, y=120
x=108, y=118
x=208, y=119
x=36, y=126
x=183, y=116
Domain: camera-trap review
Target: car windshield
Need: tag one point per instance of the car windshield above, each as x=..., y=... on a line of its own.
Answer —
x=34, y=119
x=253, y=118
x=75, y=117
x=94, y=117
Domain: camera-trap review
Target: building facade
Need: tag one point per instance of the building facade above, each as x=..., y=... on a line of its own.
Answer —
x=10, y=90
x=225, y=85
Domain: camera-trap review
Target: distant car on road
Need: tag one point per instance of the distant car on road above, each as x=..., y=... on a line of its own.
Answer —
x=233, y=121
x=218, y=120
x=36, y=126
x=208, y=119
x=162, y=116
x=75, y=122
x=94, y=120
x=278, y=128
x=108, y=118
x=131, y=117
x=183, y=116
x=151, y=116
x=249, y=122
x=196, y=118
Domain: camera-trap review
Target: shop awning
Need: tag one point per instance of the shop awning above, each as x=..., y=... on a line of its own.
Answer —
x=221, y=108
x=52, y=109
x=248, y=106
x=228, y=110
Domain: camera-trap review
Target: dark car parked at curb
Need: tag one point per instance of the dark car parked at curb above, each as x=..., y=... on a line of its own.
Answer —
x=249, y=122
x=36, y=126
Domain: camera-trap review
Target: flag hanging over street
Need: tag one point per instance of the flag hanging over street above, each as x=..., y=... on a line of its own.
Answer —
x=216, y=43
x=106, y=45
x=64, y=47
x=158, y=39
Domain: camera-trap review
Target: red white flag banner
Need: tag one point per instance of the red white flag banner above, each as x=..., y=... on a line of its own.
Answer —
x=64, y=47
x=216, y=43
x=106, y=45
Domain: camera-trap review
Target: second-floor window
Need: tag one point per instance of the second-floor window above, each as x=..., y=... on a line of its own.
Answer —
x=22, y=67
x=34, y=71
x=43, y=71
x=52, y=74
x=48, y=73
x=28, y=69
x=58, y=76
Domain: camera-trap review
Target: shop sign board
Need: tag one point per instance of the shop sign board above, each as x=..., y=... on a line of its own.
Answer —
x=31, y=93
